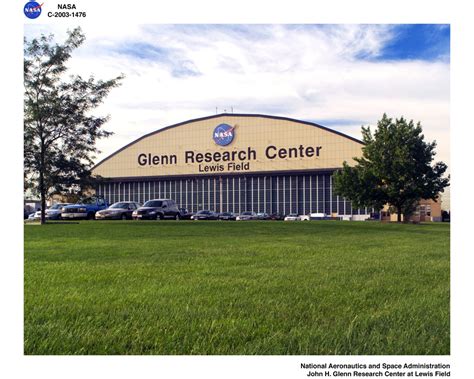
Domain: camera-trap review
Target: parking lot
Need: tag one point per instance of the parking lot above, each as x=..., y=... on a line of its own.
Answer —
x=162, y=209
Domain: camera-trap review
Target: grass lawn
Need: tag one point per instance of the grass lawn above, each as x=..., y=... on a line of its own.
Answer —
x=319, y=287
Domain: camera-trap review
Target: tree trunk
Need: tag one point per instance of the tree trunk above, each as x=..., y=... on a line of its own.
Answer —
x=399, y=214
x=43, y=199
x=42, y=185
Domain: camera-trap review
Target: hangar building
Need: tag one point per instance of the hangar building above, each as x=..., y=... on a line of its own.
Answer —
x=234, y=163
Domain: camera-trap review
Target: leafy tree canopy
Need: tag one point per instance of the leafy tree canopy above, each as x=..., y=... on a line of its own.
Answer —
x=60, y=132
x=396, y=168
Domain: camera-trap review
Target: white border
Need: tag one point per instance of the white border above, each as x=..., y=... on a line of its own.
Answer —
x=243, y=11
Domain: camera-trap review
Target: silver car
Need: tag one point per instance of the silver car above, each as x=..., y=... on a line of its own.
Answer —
x=292, y=217
x=118, y=211
x=245, y=216
x=51, y=213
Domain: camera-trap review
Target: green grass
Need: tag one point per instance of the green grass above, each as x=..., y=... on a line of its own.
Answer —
x=236, y=288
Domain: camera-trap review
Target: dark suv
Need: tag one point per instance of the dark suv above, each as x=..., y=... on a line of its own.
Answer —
x=158, y=209
x=277, y=216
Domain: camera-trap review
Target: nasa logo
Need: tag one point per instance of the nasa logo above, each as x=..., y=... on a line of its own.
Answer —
x=223, y=134
x=32, y=9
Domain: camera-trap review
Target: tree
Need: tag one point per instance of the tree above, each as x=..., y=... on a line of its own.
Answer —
x=60, y=133
x=395, y=169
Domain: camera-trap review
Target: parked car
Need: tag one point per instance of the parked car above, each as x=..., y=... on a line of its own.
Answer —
x=446, y=216
x=263, y=216
x=304, y=217
x=205, y=215
x=292, y=217
x=317, y=216
x=27, y=211
x=277, y=216
x=52, y=213
x=84, y=208
x=184, y=214
x=36, y=215
x=245, y=216
x=374, y=216
x=157, y=209
x=228, y=216
x=118, y=211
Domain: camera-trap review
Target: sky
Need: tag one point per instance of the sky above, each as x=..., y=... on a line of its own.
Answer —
x=340, y=76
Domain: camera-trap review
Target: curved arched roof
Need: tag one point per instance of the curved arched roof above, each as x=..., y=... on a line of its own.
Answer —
x=226, y=115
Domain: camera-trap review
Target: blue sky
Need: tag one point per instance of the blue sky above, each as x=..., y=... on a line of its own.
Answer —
x=340, y=76
x=428, y=42
x=420, y=41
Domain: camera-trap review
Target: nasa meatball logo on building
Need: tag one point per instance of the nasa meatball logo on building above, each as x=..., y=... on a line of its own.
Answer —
x=223, y=134
x=32, y=9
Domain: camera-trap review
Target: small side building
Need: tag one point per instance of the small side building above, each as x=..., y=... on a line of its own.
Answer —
x=426, y=210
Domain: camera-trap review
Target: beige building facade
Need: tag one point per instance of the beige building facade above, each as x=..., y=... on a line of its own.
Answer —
x=259, y=145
